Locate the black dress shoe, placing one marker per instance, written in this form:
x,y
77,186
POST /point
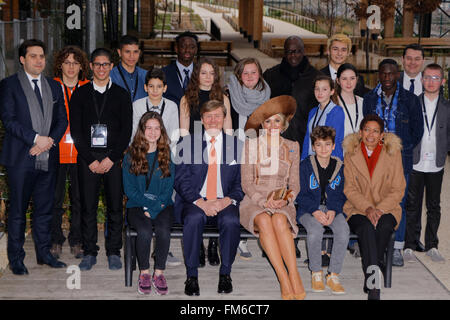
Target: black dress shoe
x,y
373,294
225,285
213,256
191,287
298,253
18,268
420,247
202,256
51,261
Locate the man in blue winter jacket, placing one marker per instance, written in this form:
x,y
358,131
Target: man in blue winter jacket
x,y
402,115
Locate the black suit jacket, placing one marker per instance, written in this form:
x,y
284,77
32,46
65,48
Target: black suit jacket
x,y
19,133
360,89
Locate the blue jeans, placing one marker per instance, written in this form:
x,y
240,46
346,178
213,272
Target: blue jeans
x,y
401,231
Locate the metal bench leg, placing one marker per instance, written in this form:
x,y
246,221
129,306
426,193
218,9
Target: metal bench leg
x,y
128,259
389,254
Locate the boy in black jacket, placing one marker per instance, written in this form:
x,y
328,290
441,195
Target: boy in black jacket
x,y
101,121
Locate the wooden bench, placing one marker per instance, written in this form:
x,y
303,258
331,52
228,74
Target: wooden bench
x,y
212,232
274,47
155,51
430,45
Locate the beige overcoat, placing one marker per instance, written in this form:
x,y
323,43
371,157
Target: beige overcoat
x,y
386,188
258,180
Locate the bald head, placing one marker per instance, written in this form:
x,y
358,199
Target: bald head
x,y
294,50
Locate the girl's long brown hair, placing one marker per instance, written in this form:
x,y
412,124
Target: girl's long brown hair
x,y
139,148
192,89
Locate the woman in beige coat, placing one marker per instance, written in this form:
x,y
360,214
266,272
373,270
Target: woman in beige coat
x,y
272,163
374,187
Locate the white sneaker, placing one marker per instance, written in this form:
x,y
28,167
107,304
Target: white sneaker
x,y
172,261
435,256
243,250
409,256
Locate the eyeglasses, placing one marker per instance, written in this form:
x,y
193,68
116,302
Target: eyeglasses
x,y
101,65
71,64
297,51
432,78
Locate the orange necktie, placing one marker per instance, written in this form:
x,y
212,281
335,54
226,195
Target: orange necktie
x,y
211,180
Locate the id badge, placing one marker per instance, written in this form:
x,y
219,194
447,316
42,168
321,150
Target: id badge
x,y
99,134
68,138
428,156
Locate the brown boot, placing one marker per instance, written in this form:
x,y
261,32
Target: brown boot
x,y
77,251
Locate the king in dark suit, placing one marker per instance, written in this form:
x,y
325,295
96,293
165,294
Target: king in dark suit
x,y
34,118
208,185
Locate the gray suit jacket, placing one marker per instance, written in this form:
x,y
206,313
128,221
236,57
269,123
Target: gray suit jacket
x,y
442,132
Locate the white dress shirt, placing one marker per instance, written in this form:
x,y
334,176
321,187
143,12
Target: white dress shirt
x,y
181,68
218,147
417,83
333,72
427,162
31,78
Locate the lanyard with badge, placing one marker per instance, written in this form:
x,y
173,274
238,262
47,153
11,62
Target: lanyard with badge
x,y
348,112
429,156
315,124
68,137
126,85
99,132
162,108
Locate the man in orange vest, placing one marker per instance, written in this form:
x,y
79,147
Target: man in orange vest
x,y
71,69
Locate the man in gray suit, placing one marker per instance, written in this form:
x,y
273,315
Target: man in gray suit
x,y
428,165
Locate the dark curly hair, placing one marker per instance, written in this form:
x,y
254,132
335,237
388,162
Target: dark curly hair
x,y
192,89
139,148
78,54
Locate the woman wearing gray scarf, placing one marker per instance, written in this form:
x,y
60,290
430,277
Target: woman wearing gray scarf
x,y
247,91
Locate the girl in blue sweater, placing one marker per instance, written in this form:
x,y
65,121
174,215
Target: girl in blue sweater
x,y
148,176
327,113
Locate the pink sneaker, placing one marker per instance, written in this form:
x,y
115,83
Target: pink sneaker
x,y
145,286
160,284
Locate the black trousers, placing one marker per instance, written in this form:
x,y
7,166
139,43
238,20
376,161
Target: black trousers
x,y
71,170
90,184
431,182
144,227
372,241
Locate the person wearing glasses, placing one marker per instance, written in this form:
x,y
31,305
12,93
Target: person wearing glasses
x,y
294,76
101,121
428,166
71,70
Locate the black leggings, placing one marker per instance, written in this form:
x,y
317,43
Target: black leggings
x,y
144,227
